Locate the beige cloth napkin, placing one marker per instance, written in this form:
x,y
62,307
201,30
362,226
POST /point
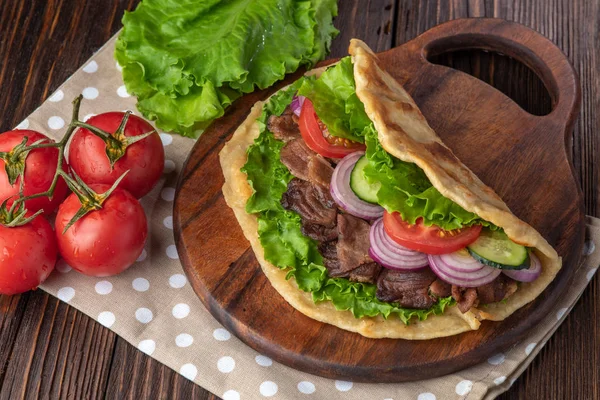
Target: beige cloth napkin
x,y
153,307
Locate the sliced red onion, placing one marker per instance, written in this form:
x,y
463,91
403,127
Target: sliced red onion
x,y
476,278
526,275
343,194
461,261
296,105
390,254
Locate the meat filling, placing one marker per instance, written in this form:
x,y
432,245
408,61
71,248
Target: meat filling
x,y
284,127
305,164
313,203
410,288
344,239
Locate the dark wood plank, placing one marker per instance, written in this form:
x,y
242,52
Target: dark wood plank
x,y
568,366
511,147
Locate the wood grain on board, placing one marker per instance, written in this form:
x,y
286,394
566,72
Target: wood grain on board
x,y
42,42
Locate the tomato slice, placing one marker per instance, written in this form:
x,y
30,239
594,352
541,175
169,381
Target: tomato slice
x,y
318,139
428,239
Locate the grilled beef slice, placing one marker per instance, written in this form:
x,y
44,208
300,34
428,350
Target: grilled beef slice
x,y
353,242
439,288
284,127
305,164
366,272
465,298
313,203
497,290
409,288
318,232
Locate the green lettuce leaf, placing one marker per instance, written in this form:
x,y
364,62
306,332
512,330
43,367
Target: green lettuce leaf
x,y
186,61
404,187
333,95
281,236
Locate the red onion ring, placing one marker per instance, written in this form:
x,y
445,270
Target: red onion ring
x,y
390,254
343,194
477,278
526,275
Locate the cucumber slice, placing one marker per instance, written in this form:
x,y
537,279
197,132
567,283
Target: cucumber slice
x,y
495,249
363,189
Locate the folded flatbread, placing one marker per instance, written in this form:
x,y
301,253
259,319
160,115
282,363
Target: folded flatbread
x,y
404,133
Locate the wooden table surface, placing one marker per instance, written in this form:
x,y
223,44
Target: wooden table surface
x,y
50,350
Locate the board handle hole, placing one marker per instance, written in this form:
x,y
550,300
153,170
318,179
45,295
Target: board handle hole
x,y
506,74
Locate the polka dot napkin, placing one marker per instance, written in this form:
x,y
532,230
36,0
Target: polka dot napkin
x,y
153,307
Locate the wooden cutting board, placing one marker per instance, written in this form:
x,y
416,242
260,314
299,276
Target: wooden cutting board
x,y
521,156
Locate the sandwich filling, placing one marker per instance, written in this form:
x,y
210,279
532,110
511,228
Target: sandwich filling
x,y
354,225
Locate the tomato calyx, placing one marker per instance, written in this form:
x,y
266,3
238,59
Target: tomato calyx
x,y
13,217
116,143
89,199
14,160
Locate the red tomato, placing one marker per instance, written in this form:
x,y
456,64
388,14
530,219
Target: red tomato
x,y
314,135
428,239
145,159
27,256
104,242
40,167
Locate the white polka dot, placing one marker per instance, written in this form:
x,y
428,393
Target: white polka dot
x,y
426,396
499,380
88,116
268,388
168,222
177,281
189,371
57,96
560,313
464,387
172,252
140,284
590,274
231,395
143,315
184,340
221,334
142,256
588,248
181,310
90,93
343,386
91,67
263,361
56,122
65,294
226,364
23,125
169,166
497,359
530,348
106,318
118,66
306,387
168,194
103,287
147,346
166,139
63,267
122,91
